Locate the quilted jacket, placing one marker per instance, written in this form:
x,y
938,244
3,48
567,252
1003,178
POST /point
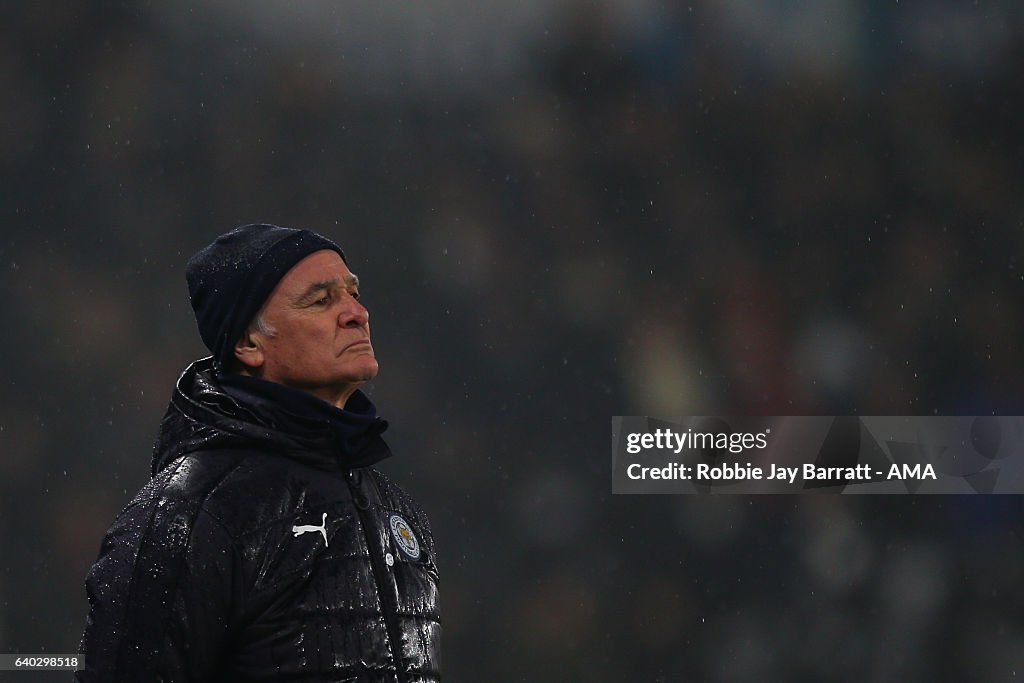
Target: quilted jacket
x,y
265,547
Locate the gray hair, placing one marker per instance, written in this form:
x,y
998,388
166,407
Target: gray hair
x,y
262,326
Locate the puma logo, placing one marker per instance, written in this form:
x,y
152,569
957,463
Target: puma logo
x,y
299,530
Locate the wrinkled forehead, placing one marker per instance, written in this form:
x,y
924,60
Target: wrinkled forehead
x,y
321,268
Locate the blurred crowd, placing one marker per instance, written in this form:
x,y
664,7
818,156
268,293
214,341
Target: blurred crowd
x,y
724,208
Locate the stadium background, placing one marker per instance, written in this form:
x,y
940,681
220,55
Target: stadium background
x,y
561,211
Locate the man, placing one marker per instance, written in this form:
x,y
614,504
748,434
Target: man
x,y
265,547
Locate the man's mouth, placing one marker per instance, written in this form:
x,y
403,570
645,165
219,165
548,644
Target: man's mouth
x,y
359,343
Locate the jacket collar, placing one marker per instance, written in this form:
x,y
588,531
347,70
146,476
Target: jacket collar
x,y
208,412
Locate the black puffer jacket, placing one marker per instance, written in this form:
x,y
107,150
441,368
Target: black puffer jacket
x,y
264,548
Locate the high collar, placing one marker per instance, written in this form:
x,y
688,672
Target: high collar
x,y
277,404
209,412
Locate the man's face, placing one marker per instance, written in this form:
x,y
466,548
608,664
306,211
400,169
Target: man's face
x,y
321,340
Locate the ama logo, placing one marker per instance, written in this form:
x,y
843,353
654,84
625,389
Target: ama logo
x,y
916,471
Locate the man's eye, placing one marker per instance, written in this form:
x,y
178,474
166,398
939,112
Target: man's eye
x,y
322,301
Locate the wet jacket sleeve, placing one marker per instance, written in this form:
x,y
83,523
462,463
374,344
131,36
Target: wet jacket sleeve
x,y
160,595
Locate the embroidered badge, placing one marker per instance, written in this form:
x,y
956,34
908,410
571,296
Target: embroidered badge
x,y
405,539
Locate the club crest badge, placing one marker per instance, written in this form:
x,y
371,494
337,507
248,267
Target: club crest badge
x,y
405,539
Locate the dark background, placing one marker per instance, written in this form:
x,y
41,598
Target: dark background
x,y
561,211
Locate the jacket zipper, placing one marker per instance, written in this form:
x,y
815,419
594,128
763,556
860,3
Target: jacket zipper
x,y
380,573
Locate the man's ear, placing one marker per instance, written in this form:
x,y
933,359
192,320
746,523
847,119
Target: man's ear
x,y
248,350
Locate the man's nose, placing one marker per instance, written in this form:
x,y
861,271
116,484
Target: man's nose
x,y
353,314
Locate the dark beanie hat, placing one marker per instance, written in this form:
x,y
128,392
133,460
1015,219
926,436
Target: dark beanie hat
x,y
229,280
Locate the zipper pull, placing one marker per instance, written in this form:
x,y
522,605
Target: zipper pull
x,y
359,497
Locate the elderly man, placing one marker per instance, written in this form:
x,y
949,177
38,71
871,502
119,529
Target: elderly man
x,y
266,547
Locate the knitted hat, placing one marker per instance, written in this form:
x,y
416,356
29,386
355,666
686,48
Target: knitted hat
x,y
230,279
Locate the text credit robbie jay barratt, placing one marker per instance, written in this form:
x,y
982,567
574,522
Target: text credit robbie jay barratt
x,y
737,442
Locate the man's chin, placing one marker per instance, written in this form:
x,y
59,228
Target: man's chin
x,y
364,369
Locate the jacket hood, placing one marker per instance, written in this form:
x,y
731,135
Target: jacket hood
x,y
242,413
